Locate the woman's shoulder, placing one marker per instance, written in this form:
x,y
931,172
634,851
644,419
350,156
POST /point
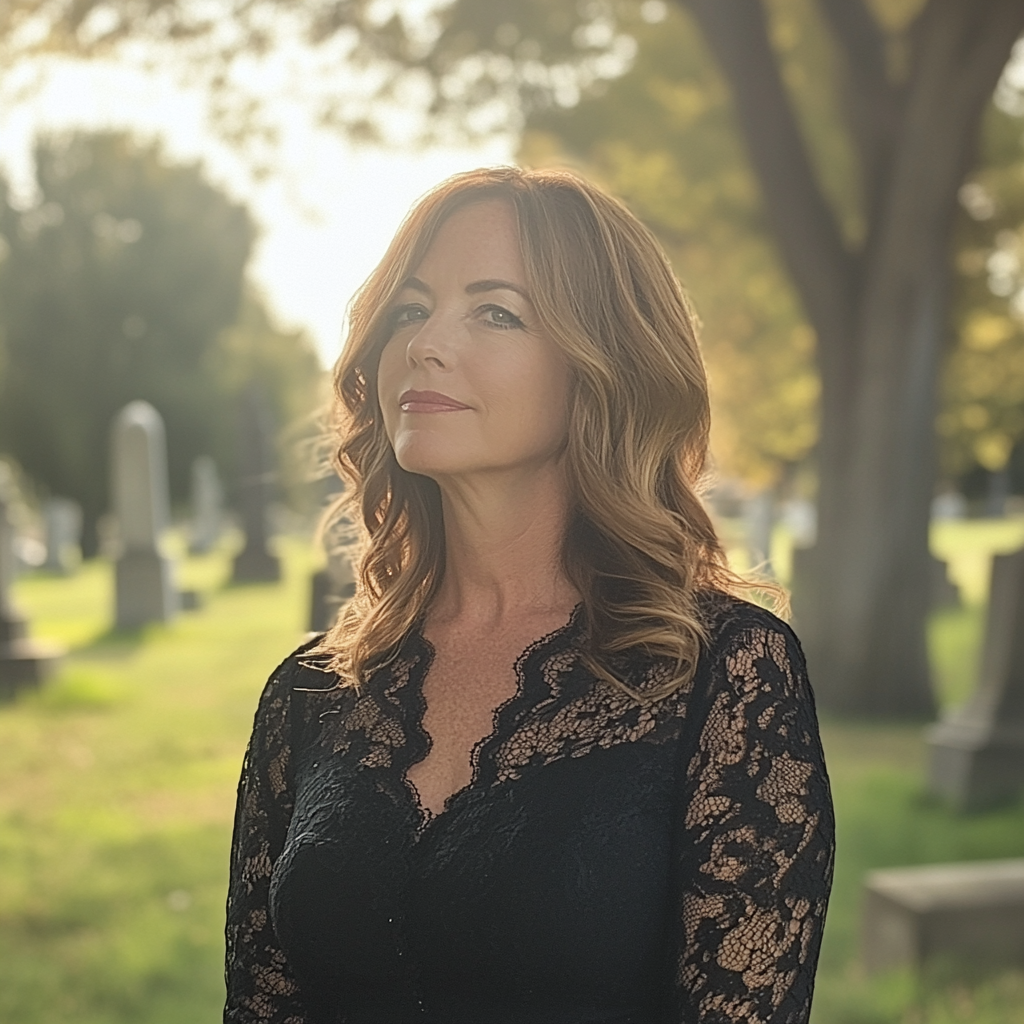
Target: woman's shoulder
x,y
300,678
726,616
747,645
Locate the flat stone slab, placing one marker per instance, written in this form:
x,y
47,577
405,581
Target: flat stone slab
x,y
25,664
959,914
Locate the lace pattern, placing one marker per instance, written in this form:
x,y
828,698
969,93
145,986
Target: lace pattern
x,y
754,830
259,982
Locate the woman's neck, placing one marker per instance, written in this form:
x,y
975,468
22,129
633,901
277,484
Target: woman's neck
x,y
503,542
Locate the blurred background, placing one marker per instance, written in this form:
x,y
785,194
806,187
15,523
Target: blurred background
x,y
189,195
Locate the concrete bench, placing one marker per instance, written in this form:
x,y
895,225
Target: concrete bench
x,y
963,914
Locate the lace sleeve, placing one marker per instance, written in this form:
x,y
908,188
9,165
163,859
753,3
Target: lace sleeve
x,y
756,840
260,987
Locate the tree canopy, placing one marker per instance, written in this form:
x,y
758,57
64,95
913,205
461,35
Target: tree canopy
x,y
663,136
121,282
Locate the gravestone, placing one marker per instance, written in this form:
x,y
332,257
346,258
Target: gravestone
x,y
62,523
207,506
942,591
331,588
758,521
800,518
255,563
801,582
143,574
958,915
996,493
949,505
24,662
977,753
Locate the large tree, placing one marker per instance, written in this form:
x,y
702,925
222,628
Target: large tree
x,y
913,101
913,90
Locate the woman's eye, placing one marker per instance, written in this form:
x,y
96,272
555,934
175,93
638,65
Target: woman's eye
x,y
498,316
408,314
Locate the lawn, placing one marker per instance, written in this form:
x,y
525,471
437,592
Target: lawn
x,y
117,791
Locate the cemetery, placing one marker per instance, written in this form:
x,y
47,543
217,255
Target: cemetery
x,y
839,186
117,781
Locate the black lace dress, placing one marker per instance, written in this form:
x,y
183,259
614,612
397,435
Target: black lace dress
x,y
611,860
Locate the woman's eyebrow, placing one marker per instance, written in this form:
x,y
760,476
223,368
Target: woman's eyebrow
x,y
492,285
416,285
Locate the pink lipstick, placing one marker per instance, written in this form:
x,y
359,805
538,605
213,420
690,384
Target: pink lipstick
x,y
428,401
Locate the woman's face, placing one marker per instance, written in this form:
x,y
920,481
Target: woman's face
x,y
468,382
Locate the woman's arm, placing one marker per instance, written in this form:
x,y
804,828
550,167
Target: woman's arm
x,y
260,986
756,838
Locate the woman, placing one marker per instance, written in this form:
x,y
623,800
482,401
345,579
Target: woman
x,y
546,768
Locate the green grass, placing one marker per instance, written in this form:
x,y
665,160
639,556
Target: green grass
x,y
884,818
116,796
117,790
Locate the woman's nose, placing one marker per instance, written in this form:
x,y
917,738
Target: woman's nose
x,y
431,344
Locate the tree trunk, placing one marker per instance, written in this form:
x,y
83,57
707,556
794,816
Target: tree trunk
x,y
880,315
866,640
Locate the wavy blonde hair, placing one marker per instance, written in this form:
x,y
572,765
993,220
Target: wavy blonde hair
x,y
640,543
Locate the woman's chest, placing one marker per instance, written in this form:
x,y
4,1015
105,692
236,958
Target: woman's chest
x,y
560,876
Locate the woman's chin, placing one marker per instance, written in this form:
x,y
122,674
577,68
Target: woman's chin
x,y
427,462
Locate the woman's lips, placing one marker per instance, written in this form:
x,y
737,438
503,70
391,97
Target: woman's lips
x,y
428,401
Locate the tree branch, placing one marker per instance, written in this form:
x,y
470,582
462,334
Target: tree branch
x,y
861,39
960,52
804,224
991,47
872,103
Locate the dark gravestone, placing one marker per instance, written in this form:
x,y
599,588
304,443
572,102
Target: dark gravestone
x,y
24,662
256,563
801,582
942,591
143,575
977,753
331,588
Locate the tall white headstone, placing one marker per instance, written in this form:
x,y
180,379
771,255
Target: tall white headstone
x,y
143,574
207,506
758,521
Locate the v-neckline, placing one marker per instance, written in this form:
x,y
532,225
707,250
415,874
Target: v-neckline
x,y
417,708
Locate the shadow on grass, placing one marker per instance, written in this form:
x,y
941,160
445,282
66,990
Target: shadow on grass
x,y
114,643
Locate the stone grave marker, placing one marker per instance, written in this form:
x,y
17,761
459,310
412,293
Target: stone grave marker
x,y
143,574
959,915
758,521
331,588
24,662
62,524
255,563
942,591
801,581
977,753
207,506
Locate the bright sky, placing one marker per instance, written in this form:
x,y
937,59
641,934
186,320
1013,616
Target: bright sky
x,y
327,213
